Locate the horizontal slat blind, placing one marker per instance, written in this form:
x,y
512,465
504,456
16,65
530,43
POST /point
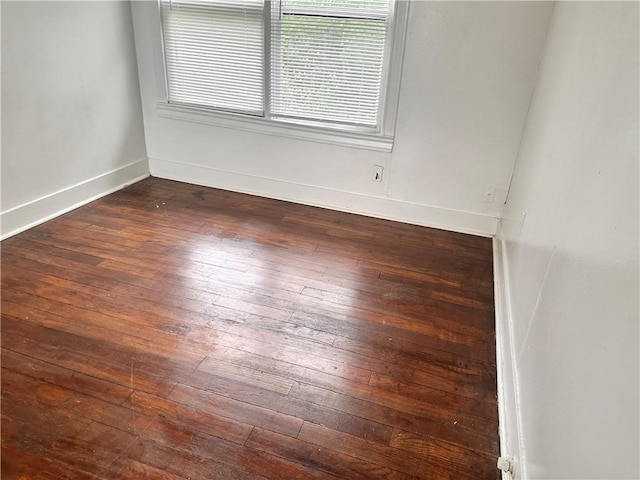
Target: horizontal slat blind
x,y
327,60
214,53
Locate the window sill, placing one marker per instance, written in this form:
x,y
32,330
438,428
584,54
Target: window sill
x,y
271,127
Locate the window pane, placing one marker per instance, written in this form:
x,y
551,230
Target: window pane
x,y
214,53
327,68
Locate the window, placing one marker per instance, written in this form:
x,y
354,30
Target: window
x,y
214,54
313,63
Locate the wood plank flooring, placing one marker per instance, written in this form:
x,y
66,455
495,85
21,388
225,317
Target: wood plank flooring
x,y
179,332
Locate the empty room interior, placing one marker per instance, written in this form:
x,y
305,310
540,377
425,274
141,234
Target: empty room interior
x,y
320,239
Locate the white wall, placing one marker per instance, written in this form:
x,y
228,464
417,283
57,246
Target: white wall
x,y
573,263
469,70
71,115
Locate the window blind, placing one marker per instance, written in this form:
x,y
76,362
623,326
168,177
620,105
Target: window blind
x,y
214,53
328,60
311,62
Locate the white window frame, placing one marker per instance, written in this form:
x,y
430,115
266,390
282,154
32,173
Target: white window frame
x,y
380,140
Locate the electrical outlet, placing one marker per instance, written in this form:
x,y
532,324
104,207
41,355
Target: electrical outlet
x,y
489,194
377,173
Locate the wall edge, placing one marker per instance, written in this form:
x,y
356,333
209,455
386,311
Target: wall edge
x,y
52,205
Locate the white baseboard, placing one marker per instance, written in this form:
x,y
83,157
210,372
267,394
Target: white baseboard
x,y
417,214
45,208
510,425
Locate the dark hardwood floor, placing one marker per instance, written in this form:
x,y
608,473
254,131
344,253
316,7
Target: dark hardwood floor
x,y
174,331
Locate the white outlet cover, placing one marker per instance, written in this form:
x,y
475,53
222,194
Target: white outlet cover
x,y
489,194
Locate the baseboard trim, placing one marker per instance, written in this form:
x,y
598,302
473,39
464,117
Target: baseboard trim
x,y
389,209
40,210
509,419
